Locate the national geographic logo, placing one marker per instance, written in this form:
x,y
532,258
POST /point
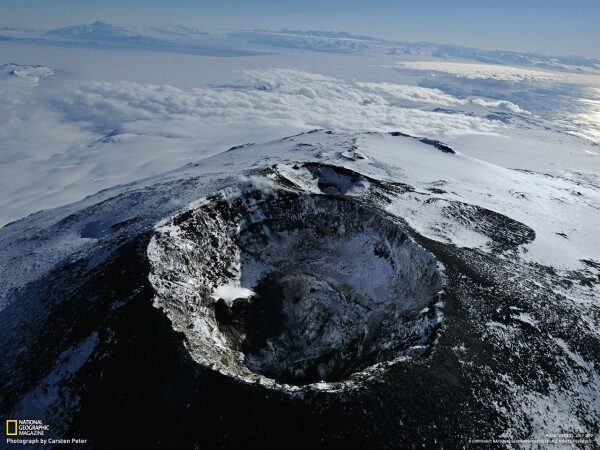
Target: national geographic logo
x,y
25,427
12,427
31,432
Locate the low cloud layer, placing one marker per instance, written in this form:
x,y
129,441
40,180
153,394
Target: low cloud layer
x,y
474,71
62,143
430,96
288,97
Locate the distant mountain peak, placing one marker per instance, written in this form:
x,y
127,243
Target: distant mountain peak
x,y
92,30
103,25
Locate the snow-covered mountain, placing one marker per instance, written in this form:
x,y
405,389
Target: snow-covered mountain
x,y
103,32
344,277
173,38
354,286
343,42
96,30
182,38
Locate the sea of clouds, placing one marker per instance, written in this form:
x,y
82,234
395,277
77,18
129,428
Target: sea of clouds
x,y
474,71
62,141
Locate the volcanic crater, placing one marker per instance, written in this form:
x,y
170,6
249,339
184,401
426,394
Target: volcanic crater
x,y
295,290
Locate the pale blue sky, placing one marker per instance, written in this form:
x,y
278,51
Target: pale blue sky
x,y
549,26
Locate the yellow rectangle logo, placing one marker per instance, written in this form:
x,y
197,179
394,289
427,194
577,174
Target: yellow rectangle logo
x,y
12,427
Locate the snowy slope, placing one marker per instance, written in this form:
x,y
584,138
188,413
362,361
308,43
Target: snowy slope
x,y
517,295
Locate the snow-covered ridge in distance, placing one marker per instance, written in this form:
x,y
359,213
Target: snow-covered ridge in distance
x,y
333,41
104,35
103,32
160,36
93,30
518,58
178,30
319,42
328,34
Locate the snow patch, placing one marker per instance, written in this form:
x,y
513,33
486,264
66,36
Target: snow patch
x,y
231,292
31,74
